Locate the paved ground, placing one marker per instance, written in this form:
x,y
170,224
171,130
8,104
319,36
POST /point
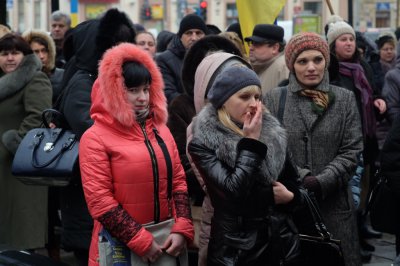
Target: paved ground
x,y
384,253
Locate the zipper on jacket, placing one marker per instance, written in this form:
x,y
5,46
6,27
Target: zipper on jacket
x,y
155,174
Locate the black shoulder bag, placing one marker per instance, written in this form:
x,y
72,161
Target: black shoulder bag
x,y
319,248
382,206
47,156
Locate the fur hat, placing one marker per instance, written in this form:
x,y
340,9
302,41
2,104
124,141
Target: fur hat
x,y
191,21
196,54
115,27
337,29
230,81
305,41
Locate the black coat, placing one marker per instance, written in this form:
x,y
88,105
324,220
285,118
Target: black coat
x,y
181,110
170,63
390,157
390,164
238,173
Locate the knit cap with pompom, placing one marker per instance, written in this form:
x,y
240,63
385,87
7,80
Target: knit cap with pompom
x,y
337,29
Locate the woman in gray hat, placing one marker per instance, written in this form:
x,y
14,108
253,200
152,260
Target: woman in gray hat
x,y
240,151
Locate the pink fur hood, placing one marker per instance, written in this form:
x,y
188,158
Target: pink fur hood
x,y
109,98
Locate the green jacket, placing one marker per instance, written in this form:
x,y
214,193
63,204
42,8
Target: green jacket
x,y
24,94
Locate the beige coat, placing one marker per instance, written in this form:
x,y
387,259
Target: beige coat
x,y
272,72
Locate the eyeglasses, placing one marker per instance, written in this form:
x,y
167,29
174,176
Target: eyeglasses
x,y
259,44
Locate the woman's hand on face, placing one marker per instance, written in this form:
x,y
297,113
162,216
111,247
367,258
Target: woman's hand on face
x,y
153,254
281,194
174,244
381,105
253,123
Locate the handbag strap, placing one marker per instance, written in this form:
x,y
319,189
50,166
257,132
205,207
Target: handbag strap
x,y
381,179
37,139
316,215
168,161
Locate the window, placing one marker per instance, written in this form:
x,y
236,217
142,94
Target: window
x,y
21,16
313,8
231,13
37,17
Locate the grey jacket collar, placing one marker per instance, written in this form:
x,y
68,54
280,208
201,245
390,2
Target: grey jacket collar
x,y
15,81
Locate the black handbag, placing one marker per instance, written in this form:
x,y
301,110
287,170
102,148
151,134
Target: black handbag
x,y
382,206
47,156
320,248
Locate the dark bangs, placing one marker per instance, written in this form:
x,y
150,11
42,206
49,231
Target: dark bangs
x,y
40,41
135,74
11,42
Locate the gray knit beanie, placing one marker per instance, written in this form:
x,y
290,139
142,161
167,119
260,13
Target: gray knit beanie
x,y
337,29
208,70
230,81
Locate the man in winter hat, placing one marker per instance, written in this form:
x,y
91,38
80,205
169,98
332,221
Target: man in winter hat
x,y
266,55
191,29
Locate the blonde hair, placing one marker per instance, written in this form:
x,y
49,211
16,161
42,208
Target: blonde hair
x,y
224,116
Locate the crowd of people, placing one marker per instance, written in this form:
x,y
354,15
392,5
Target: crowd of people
x,y
240,134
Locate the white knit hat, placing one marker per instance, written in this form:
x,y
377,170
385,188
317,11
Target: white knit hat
x,y
334,19
337,29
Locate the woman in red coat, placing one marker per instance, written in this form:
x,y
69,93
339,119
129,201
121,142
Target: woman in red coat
x,y
124,171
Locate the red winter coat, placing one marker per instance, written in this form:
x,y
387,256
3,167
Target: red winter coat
x,y
116,165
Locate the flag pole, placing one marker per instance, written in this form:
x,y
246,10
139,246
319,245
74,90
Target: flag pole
x,y
330,7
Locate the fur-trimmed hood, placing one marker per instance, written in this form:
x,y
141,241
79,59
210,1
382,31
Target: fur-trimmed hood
x,y
30,34
198,52
15,81
209,131
109,98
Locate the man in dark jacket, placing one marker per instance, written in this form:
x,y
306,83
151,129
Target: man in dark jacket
x,y
191,29
86,45
390,167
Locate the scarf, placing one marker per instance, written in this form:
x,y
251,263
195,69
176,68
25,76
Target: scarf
x,y
142,115
356,72
320,99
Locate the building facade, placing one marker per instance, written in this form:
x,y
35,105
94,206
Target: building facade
x,y
166,14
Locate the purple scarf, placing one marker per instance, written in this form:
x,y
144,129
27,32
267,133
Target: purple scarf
x,y
356,72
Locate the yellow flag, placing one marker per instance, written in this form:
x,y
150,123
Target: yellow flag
x,y
253,12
